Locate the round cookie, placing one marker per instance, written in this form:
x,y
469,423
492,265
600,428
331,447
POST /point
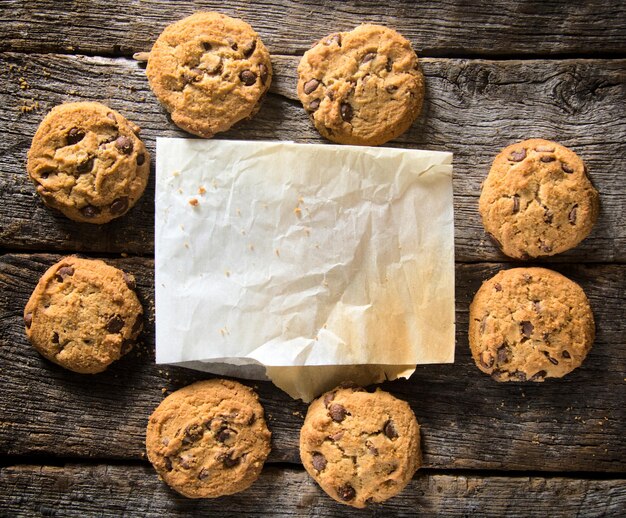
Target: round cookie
x,y
83,314
360,447
528,324
361,87
209,439
87,161
537,199
209,71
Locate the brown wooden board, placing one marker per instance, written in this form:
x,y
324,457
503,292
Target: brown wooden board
x,y
76,490
469,421
473,108
436,28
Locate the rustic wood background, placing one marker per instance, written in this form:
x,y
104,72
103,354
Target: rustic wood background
x,y
497,71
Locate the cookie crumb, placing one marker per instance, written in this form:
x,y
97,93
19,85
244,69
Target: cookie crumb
x,y
201,190
277,252
193,202
227,273
298,212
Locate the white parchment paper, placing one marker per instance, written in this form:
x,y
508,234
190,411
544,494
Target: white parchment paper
x,y
304,261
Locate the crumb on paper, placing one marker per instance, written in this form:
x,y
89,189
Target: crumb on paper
x,y
176,173
227,273
298,212
214,183
325,283
180,191
193,202
277,252
124,254
201,190
251,247
238,211
182,227
307,231
243,232
186,245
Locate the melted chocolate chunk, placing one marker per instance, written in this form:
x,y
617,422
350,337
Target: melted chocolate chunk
x,y
115,325
74,136
64,272
318,460
247,77
390,430
337,412
517,155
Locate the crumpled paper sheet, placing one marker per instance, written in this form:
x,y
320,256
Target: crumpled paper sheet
x,y
314,263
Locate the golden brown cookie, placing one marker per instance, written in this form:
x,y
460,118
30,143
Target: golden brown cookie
x,y
87,161
361,87
360,447
209,439
83,314
528,324
210,71
537,199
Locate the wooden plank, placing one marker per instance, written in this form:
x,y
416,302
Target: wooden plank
x,y
469,421
134,490
436,28
473,108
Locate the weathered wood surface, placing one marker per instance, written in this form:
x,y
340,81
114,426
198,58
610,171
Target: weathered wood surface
x,y
76,490
468,420
436,28
473,108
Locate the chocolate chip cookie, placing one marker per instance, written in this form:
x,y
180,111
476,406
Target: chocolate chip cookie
x,y
529,324
209,71
360,447
361,87
87,161
209,439
537,199
83,314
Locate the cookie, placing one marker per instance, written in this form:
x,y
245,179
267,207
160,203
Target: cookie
x,y
360,447
83,314
87,161
361,87
209,439
537,199
529,324
209,71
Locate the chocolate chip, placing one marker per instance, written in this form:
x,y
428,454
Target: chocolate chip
x,y
119,206
539,376
129,280
335,38
389,65
55,338
497,286
547,159
368,57
527,278
537,306
124,144
64,272
74,136
310,86
165,441
566,355
314,105
502,354
318,460
247,77
515,204
527,328
168,464
263,73
204,473
544,149
545,247
518,155
115,325
328,397
85,166
185,461
572,215
566,169
487,360
224,434
193,432
249,48
337,412
390,430
346,492
391,89
483,324
346,112
493,238
137,326
206,46
553,361
127,346
228,461
28,319
330,94
371,448
547,215
336,436
252,419
518,375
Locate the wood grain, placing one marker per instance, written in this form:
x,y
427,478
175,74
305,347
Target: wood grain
x,y
468,420
435,28
473,108
134,490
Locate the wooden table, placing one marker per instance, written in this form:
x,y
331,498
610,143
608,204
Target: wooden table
x,y
496,72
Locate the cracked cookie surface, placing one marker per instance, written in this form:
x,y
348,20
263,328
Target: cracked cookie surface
x,y
209,71
360,447
528,324
361,87
537,199
209,439
87,162
83,314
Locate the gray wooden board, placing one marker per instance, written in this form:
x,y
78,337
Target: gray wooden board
x,y
469,421
435,28
473,108
75,490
